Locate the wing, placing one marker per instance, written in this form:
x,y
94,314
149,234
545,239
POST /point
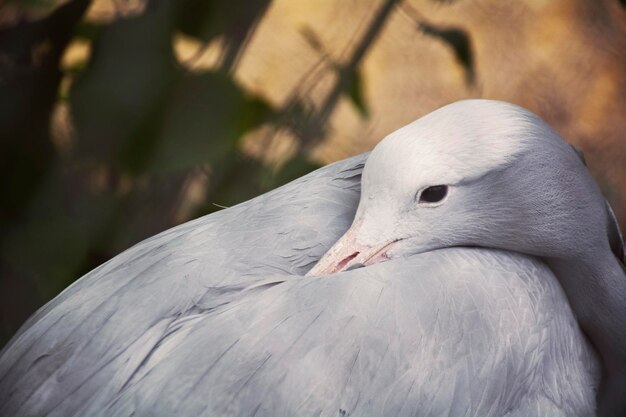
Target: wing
x,y
110,319
214,318
402,338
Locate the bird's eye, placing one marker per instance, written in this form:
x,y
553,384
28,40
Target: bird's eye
x,y
434,194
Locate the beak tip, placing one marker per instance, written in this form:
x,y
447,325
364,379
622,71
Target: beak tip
x,y
347,254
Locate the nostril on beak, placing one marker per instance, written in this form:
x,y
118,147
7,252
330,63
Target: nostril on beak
x,y
347,260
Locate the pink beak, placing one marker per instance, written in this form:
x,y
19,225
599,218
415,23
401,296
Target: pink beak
x,y
346,252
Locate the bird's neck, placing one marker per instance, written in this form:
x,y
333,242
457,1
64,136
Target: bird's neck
x,y
596,290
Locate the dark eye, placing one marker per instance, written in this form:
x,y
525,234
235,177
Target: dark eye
x,y
434,194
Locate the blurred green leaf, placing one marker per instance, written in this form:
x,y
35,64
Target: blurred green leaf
x,y
87,30
124,87
355,93
196,18
205,117
65,219
459,41
205,20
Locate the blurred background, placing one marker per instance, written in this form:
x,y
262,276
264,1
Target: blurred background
x,y
122,118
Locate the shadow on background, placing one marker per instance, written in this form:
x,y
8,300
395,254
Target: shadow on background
x,y
129,141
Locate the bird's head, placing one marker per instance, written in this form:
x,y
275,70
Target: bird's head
x,y
473,173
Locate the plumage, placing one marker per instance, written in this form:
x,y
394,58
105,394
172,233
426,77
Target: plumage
x,y
91,335
217,318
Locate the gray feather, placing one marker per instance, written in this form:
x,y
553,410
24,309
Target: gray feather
x,y
99,329
214,318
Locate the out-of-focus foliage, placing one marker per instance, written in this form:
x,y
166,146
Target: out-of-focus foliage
x,y
122,144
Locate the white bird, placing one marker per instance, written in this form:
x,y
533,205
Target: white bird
x,y
479,210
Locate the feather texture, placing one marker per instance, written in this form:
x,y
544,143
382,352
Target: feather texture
x,y
215,318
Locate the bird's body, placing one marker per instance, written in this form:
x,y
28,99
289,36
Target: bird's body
x,y
216,318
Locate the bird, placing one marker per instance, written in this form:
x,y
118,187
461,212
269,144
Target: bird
x,y
428,277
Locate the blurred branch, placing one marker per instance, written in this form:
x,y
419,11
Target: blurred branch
x,y
238,37
302,118
347,71
458,40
